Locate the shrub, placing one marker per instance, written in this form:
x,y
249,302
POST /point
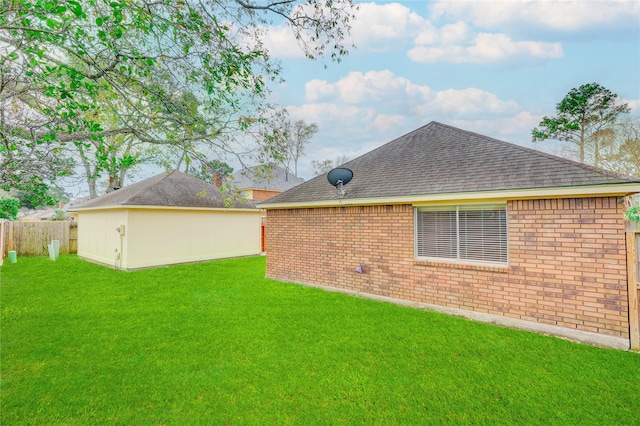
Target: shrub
x,y
59,214
633,214
9,208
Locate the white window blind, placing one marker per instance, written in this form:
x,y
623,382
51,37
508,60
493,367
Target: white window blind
x,y
463,233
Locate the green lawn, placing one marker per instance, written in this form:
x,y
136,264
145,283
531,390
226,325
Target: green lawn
x,y
216,343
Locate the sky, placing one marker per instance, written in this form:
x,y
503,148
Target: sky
x,y
491,67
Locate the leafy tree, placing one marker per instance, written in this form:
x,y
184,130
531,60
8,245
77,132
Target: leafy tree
x,y
183,73
321,167
114,157
32,200
9,208
212,171
25,162
582,118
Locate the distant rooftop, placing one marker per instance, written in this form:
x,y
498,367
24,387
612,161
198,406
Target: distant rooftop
x,y
274,178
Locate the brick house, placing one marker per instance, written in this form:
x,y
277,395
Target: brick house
x,y
258,184
454,221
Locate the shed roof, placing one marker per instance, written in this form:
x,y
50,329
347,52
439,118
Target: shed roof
x,y
440,159
275,178
173,189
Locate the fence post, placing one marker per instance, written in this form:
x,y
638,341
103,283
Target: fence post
x,y
2,241
632,285
9,236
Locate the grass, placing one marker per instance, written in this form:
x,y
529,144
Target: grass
x,y
217,343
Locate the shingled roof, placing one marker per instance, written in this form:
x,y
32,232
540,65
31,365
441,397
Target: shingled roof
x,y
166,189
440,159
274,178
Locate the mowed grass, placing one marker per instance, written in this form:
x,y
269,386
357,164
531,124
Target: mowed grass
x,y
217,343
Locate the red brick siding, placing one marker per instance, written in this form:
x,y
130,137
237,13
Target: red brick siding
x,y
263,194
567,262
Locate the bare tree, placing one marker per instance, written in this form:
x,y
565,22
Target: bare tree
x,y
295,138
322,167
620,148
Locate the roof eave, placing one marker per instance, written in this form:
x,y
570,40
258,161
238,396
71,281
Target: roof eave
x,y
618,189
147,207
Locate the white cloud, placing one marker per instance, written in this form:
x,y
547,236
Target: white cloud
x,y
447,35
634,105
390,27
281,43
485,48
390,93
512,128
561,16
316,90
380,28
387,122
330,114
465,102
357,87
335,115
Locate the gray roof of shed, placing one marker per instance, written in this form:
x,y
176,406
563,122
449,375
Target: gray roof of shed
x,y
437,159
173,188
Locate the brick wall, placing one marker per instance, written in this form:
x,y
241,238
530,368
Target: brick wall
x,y
567,262
263,194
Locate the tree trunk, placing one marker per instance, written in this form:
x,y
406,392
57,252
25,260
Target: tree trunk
x,y
90,174
582,142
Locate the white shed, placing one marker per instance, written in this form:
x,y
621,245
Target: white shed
x,y
167,219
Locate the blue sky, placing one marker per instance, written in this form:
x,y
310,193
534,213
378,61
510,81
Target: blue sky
x,y
492,67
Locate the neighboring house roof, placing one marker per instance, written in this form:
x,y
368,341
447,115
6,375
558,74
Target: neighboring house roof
x,y
274,178
440,159
38,214
78,201
41,213
166,189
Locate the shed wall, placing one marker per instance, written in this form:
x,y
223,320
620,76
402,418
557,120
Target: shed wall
x,y
97,235
567,263
164,237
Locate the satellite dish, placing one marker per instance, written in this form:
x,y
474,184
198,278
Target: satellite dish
x,y
340,177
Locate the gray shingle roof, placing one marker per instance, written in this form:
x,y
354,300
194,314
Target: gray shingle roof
x,y
166,189
274,179
437,158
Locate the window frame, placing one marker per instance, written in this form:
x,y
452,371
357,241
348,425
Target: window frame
x,y
502,234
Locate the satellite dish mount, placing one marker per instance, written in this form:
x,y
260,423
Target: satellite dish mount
x,y
339,178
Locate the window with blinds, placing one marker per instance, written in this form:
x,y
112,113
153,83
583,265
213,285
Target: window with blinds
x,y
476,234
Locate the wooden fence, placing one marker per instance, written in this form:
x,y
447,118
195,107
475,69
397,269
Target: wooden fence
x,y
33,238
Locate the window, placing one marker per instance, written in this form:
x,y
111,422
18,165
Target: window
x,y
474,234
